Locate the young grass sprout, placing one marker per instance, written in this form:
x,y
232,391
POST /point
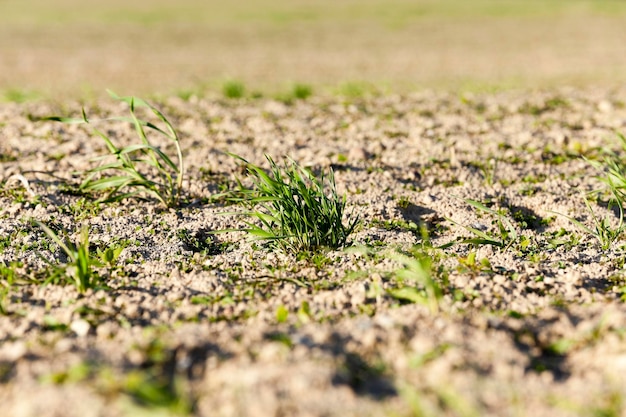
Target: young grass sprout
x,y
602,230
139,169
614,178
614,168
507,234
297,210
80,269
417,271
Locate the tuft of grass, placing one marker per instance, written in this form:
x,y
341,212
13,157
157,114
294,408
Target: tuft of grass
x,y
15,95
422,288
602,230
8,278
233,89
614,168
301,91
80,269
507,234
139,169
298,210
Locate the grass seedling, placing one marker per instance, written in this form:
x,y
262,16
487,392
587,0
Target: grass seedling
x,y
301,91
615,169
614,178
8,277
137,169
417,271
298,210
233,89
602,230
507,233
80,269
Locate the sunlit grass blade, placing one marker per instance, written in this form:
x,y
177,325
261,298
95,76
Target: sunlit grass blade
x,y
602,230
80,269
507,233
143,167
297,210
418,284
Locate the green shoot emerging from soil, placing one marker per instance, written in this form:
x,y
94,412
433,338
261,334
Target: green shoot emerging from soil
x,y
424,289
80,268
507,234
136,169
614,168
298,210
602,230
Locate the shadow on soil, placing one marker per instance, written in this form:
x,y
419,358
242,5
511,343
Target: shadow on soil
x,y
543,356
365,376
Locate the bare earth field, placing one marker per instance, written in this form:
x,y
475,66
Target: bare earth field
x,y
216,325
421,109
70,48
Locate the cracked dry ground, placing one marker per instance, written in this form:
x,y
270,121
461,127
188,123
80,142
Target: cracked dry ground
x,y
195,323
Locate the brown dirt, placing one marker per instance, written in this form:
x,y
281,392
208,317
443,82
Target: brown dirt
x,y
536,331
69,55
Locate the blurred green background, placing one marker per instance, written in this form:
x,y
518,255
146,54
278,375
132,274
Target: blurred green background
x,y
78,48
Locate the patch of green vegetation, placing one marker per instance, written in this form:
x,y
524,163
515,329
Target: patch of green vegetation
x,y
233,89
317,258
155,388
549,105
282,314
297,92
534,179
81,209
603,231
73,374
280,337
7,157
398,225
301,91
613,168
52,324
417,284
356,90
299,210
200,241
8,278
80,270
505,236
436,401
15,95
470,264
129,180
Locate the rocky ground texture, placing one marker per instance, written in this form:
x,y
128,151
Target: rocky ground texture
x,y
191,322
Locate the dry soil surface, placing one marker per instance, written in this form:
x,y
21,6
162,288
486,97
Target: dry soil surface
x,y
206,324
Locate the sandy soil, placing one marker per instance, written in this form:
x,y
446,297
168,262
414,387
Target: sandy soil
x,y
73,48
216,325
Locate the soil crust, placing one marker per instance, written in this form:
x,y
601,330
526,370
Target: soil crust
x,y
213,324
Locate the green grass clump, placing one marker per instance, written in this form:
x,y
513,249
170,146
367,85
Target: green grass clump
x,y
139,169
233,89
80,268
301,91
298,210
614,169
